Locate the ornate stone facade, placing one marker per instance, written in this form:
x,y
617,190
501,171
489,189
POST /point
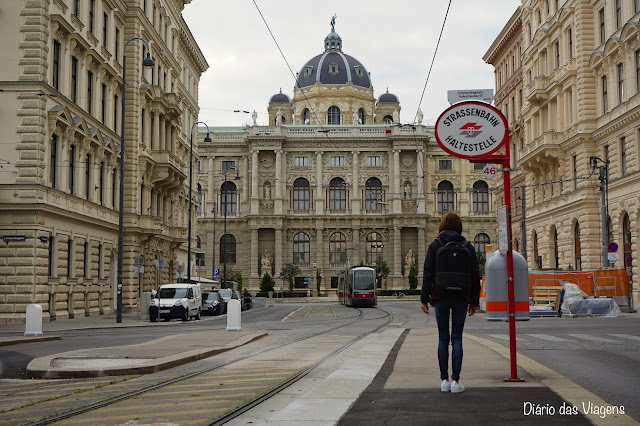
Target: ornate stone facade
x,y
577,66
61,128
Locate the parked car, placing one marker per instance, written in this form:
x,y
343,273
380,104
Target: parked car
x,y
238,296
182,301
226,294
212,303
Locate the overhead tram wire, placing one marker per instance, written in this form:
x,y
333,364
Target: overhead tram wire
x,y
325,131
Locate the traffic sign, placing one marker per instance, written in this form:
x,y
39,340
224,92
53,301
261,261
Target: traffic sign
x,y
216,273
612,247
612,257
489,171
471,129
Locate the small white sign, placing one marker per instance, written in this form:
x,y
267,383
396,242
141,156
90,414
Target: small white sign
x,y
503,229
485,95
613,257
489,171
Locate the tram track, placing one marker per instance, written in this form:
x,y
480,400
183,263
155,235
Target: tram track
x,y
291,377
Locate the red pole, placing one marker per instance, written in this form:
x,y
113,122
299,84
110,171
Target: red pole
x,y
510,283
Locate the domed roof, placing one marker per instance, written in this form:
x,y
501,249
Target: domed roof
x,y
388,97
333,67
280,97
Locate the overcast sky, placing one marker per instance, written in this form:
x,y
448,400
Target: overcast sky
x,y
394,40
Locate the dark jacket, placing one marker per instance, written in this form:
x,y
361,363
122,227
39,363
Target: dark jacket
x,y
429,269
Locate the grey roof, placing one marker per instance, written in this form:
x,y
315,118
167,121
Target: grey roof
x,y
388,97
280,97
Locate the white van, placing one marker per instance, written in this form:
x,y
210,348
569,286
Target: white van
x,y
182,301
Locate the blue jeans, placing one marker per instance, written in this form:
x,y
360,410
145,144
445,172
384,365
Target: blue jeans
x,y
457,310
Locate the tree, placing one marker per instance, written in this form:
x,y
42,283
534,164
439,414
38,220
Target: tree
x,y
267,283
289,272
413,278
481,261
382,270
238,278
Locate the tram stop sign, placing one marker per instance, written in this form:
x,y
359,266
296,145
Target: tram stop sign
x,y
471,129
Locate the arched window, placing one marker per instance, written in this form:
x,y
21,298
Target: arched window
x,y
301,195
337,249
626,241
445,197
480,243
199,199
577,249
337,194
480,197
333,115
198,242
301,248
283,120
387,119
373,194
361,116
306,116
373,249
228,197
228,250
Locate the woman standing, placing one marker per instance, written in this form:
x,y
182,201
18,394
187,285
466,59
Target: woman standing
x,y
450,304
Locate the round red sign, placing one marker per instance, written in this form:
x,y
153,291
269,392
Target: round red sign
x,y
471,129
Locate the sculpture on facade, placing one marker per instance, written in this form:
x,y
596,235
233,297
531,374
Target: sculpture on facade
x,y
266,260
333,23
278,117
407,190
396,117
355,118
267,191
409,260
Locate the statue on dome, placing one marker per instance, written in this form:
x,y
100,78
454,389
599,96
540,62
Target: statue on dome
x,y
278,117
420,116
355,118
333,23
254,117
396,117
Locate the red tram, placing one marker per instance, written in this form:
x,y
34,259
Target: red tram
x,y
357,286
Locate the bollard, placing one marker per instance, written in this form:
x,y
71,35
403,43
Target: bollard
x,y
233,315
33,327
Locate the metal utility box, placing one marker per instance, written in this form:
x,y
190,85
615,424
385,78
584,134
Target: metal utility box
x,y
497,290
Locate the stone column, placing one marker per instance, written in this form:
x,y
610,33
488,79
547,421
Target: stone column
x,y
155,138
211,191
395,176
255,202
320,193
255,258
279,180
320,253
420,172
396,269
355,187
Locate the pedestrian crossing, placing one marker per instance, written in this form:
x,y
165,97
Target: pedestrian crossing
x,y
573,337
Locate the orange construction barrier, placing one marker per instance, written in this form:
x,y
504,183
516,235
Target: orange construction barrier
x,y
544,285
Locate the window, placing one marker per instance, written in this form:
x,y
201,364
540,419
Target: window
x,y
623,156
228,197
55,72
337,195
89,92
605,105
361,116
306,116
72,166
74,79
601,22
117,49
557,52
333,116
478,166
636,6
53,166
301,162
142,210
373,161
52,256
85,260
387,119
638,70
101,184
105,30
92,8
228,165
359,71
620,83
444,197
373,194
100,261
308,70
115,113
301,195
373,248
480,243
480,197
143,119
444,164
336,161
114,188
76,7
575,171
227,249
337,249
70,258
570,40
333,69
618,13
301,248
87,177
103,109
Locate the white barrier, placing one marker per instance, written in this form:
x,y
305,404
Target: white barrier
x,y
33,326
233,315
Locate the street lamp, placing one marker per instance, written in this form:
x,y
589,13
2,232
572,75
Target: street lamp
x,y
213,244
226,206
147,62
206,139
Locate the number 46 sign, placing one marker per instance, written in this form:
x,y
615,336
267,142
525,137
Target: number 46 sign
x,y
489,171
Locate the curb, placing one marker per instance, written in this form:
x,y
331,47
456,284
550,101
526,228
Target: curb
x,y
8,341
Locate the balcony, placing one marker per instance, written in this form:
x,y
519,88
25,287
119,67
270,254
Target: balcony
x,y
167,170
538,89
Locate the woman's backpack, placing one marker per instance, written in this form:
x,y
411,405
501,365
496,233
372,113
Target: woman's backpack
x,y
453,269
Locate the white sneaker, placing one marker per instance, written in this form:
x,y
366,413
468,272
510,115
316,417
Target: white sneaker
x,y
445,386
456,386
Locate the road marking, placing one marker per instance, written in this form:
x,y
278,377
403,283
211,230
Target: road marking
x,y
625,336
549,337
506,337
593,338
290,315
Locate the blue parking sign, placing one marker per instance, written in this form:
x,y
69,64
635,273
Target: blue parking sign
x,y
216,273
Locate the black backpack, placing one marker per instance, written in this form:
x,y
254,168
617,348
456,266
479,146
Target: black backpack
x,y
453,269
